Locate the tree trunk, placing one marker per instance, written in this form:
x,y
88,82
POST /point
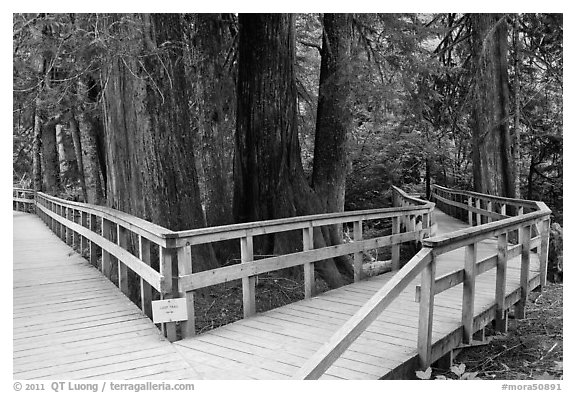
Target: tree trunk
x,y
150,156
516,133
491,140
215,123
334,117
50,158
90,158
62,156
269,178
36,152
76,140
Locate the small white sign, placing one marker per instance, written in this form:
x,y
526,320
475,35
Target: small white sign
x,y
169,310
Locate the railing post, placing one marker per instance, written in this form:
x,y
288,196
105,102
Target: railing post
x,y
75,235
106,258
169,328
469,292
503,209
543,255
489,208
524,233
248,283
395,245
470,216
84,223
93,247
426,314
69,232
123,269
519,212
145,288
501,319
357,255
308,244
188,327
478,214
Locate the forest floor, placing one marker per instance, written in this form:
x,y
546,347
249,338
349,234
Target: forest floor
x,y
531,350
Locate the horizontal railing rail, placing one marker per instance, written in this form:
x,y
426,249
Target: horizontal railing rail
x,y
424,264
23,199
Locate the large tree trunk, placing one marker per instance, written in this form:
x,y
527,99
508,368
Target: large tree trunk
x,y
269,178
334,117
491,140
516,133
62,156
215,123
150,157
50,158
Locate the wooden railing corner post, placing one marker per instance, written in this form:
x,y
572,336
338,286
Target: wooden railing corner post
x,y
188,327
145,288
122,237
166,270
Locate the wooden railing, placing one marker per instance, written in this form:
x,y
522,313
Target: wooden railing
x,y
162,259
424,264
248,269
23,199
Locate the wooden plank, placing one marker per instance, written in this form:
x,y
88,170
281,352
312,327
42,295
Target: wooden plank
x,y
358,258
524,235
543,254
395,250
169,329
122,268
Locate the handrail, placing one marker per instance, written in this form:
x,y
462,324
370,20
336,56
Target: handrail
x,y
425,263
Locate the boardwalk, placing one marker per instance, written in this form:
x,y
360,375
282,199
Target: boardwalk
x,y
71,322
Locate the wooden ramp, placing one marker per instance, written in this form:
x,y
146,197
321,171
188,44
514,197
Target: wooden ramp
x,y
274,344
70,322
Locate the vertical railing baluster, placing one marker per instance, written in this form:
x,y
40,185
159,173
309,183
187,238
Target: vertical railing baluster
x,y
358,255
426,313
122,237
185,267
489,208
501,319
145,288
106,257
519,212
543,254
84,223
519,311
248,283
308,244
93,247
469,292
69,232
478,214
396,245
470,216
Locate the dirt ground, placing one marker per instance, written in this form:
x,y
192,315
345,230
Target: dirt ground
x,y
531,350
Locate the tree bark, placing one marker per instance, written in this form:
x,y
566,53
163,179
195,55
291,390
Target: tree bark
x,y
150,156
76,140
36,149
516,133
334,116
62,156
215,123
269,178
491,139
50,158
